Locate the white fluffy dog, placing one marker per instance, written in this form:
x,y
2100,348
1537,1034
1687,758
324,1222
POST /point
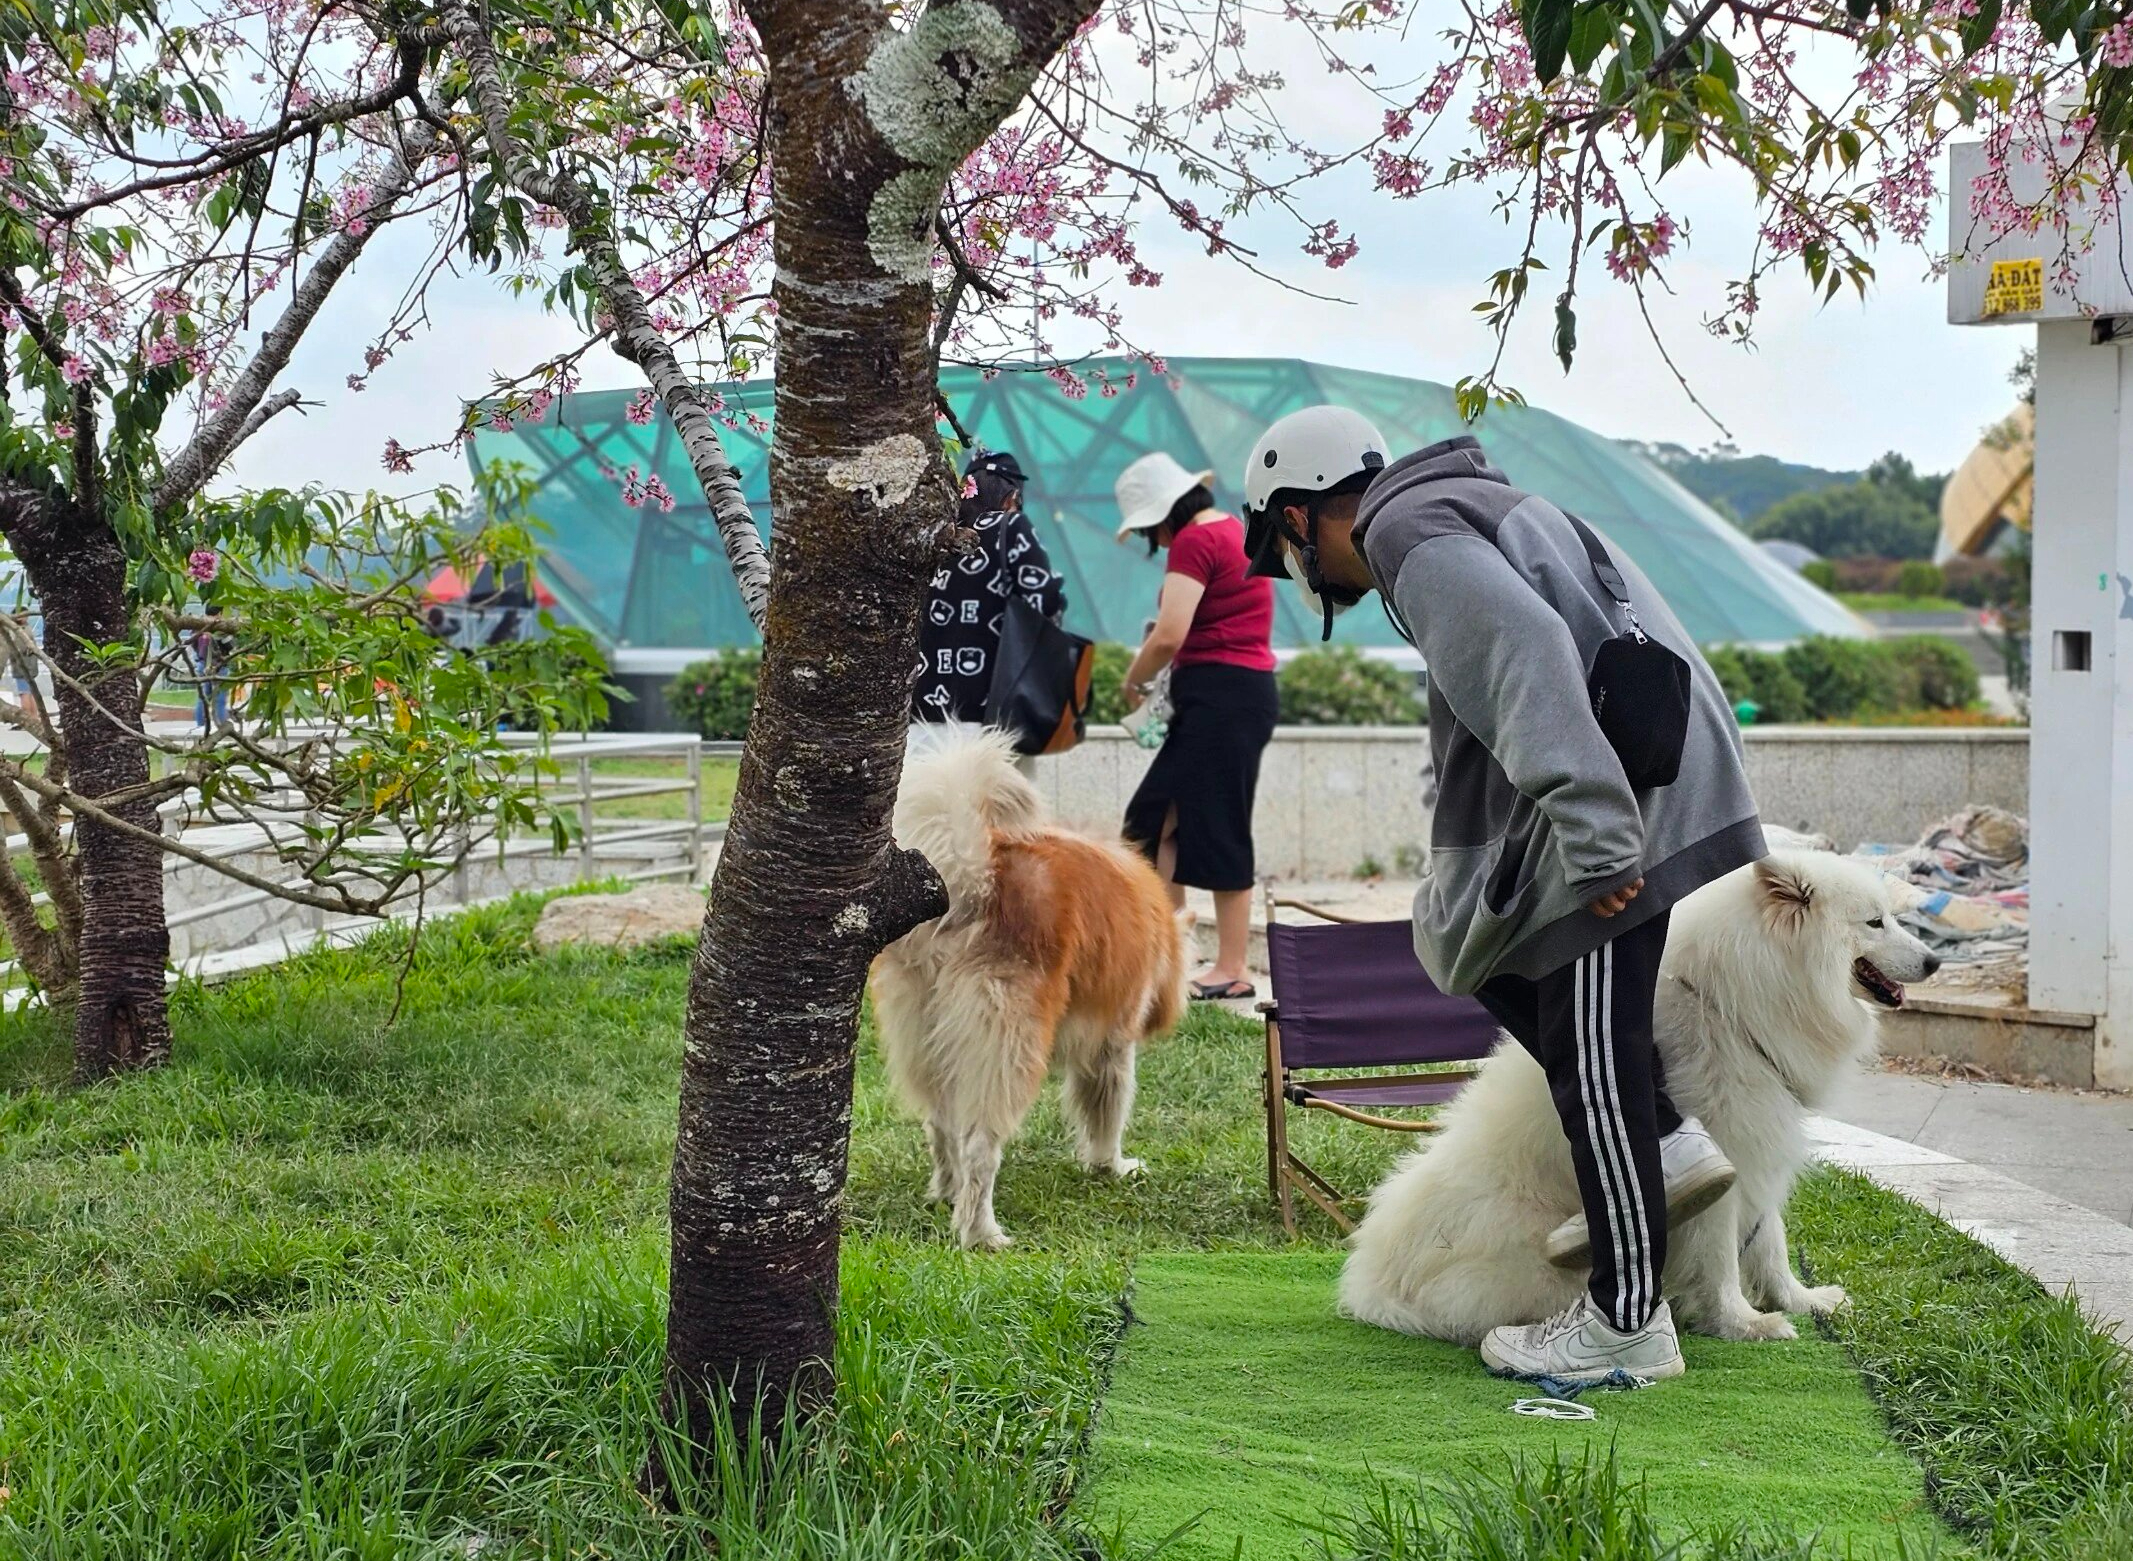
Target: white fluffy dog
x,y
1763,1006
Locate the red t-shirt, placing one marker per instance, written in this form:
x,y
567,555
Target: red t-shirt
x,y
1235,619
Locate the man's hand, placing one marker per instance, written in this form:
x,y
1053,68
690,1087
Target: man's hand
x,y
1614,904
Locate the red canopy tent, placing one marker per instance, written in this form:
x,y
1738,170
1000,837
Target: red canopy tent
x,y
448,585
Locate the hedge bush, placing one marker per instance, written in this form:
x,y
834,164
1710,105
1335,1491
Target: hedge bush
x,y
1936,674
1107,699
1917,579
715,697
1340,686
1845,677
1824,679
1980,582
1760,678
1975,582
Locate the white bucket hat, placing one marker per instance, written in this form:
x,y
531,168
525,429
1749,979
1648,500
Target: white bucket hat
x,y
1149,487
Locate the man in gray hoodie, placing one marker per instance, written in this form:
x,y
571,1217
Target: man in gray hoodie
x,y
1550,876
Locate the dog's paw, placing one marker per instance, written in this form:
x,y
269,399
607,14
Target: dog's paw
x,y
1824,1299
1751,1327
994,1240
1769,1327
1125,1166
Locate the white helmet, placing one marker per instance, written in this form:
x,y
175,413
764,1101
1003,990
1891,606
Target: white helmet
x,y
1309,452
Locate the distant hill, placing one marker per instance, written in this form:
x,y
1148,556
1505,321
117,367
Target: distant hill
x,y
1739,487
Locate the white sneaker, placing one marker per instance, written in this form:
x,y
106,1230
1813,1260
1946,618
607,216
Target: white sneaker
x,y
1578,1345
1697,1175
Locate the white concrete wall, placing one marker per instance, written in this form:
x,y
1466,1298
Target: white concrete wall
x,y
1332,799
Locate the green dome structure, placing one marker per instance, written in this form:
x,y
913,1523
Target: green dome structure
x,y
652,585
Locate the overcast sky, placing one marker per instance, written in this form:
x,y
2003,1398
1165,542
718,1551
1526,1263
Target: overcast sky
x,y
1832,386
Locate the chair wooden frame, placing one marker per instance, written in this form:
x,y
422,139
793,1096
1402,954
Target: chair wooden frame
x,y
1287,1172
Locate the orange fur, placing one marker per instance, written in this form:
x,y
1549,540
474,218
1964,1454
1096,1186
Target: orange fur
x,y
1056,948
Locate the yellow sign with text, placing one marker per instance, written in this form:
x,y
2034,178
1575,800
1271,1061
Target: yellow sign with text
x,y
2015,287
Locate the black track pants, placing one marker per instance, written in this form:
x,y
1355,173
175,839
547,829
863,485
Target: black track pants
x,y
1590,1027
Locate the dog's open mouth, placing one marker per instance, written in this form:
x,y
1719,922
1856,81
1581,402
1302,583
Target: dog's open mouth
x,y
1877,987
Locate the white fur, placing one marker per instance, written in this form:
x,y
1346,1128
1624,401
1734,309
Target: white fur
x,y
958,1014
1757,970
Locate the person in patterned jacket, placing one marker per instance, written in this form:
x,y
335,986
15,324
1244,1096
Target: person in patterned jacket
x,y
959,633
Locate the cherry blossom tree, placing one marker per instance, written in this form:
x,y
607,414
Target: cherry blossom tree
x,y
182,191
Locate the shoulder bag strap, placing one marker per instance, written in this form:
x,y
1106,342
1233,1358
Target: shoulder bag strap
x,y
1604,571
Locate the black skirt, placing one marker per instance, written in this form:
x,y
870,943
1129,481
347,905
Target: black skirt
x,y
1208,767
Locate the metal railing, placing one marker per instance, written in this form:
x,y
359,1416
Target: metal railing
x,y
603,844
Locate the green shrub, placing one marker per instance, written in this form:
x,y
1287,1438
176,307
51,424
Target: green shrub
x,y
715,697
1978,582
1821,572
1340,686
1867,576
1843,678
1935,673
1107,699
1761,677
1918,578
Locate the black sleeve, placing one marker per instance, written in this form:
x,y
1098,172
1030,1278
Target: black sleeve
x,y
1030,567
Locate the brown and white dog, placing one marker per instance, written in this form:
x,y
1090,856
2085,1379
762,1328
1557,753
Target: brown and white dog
x,y
1055,947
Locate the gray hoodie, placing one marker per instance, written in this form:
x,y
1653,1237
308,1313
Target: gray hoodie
x,y
1535,819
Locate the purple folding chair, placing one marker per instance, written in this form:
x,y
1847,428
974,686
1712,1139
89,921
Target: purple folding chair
x,y
1346,996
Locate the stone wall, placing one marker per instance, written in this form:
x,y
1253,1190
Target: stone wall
x,y
1363,786
189,887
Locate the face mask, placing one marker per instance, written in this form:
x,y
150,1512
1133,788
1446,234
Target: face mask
x,y
1327,605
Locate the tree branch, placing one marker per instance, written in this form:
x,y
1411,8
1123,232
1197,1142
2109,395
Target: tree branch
x,y
191,468
280,402
635,338
247,149
340,901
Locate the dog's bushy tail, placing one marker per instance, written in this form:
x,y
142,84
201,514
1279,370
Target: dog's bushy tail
x,y
953,798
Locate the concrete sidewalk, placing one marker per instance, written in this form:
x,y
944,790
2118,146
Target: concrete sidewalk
x,y
2075,1146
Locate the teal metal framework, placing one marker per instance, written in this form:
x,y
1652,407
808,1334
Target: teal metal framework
x,y
643,579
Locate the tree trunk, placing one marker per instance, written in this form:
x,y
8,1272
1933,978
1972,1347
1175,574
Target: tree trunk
x,y
809,887
78,570
868,117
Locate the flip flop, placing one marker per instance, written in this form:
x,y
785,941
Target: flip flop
x,y
1227,992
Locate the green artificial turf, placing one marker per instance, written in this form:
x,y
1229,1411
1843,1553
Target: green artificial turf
x,y
1241,1405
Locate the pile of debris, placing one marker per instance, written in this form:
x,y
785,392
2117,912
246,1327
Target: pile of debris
x,y
1963,888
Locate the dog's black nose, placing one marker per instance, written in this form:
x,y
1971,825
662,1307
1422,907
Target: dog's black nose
x,y
1932,964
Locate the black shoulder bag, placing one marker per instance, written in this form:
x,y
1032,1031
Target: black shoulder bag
x,y
1639,688
1040,681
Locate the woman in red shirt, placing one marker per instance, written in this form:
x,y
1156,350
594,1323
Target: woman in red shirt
x,y
1193,812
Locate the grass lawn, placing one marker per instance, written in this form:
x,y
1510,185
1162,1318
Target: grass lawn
x,y
719,777
1889,601
327,1289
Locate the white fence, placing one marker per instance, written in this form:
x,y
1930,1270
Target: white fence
x,y
219,923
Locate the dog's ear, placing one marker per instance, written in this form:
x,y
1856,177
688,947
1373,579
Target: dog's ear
x,y
1785,892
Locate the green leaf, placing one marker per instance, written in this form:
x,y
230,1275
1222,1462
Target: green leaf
x,y
1591,31
1546,24
1566,332
1674,148
1977,27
